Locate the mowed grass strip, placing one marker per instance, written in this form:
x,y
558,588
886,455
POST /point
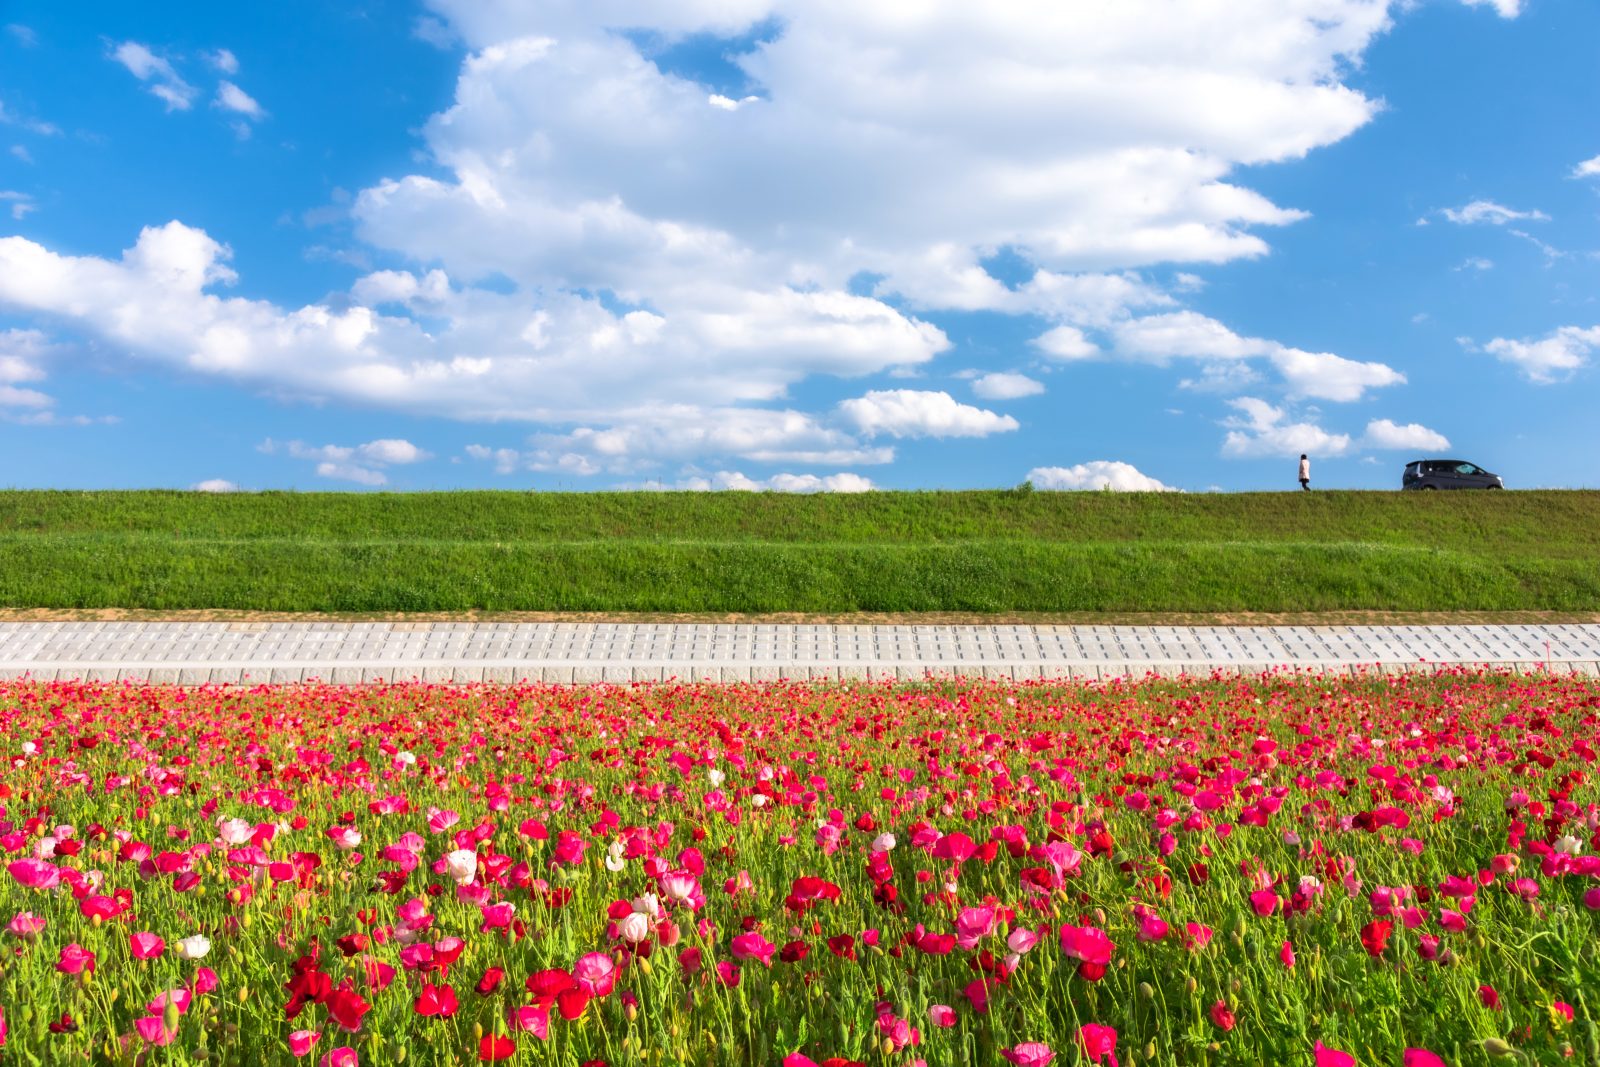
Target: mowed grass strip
x,y
981,552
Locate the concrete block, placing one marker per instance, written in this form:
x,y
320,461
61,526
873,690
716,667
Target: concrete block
x,y
466,675
649,674
287,676
996,672
345,676
377,674
504,675
616,675
163,676
764,674
824,674
234,676
587,675
701,673
736,673
858,672
194,676
437,674
100,674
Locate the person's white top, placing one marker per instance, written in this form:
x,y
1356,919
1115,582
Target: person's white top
x,y
1305,468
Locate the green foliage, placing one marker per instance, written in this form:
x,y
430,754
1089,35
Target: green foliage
x,y
984,552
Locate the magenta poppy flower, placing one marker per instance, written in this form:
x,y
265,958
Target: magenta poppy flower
x,y
343,1056
753,946
941,1015
1029,1054
1099,1042
1421,1057
75,959
1332,1057
154,1030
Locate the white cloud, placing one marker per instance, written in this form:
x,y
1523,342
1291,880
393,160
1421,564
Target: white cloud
x,y
1261,430
1188,334
1589,168
433,31
641,439
21,152
918,413
20,353
1476,263
159,75
1487,211
215,485
361,464
781,483
23,35
1093,140
1066,342
1507,9
223,61
8,118
1002,385
232,98
1413,436
1097,474
1328,377
21,203
1550,359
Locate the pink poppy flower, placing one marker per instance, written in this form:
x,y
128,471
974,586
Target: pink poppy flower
x,y
146,946
941,1015
301,1042
343,1056
75,959
154,1030
1029,1054
595,973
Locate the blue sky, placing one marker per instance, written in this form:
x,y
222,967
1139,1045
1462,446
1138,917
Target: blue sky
x,y
796,245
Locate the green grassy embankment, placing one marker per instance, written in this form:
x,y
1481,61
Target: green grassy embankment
x,y
972,552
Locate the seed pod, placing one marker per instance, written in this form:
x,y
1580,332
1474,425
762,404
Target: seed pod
x,y
1498,1049
1147,991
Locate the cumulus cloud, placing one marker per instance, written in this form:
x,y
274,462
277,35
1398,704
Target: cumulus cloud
x,y
1413,436
781,483
1006,386
653,249
1487,211
223,61
1260,429
921,413
362,464
1589,168
23,35
158,75
1550,359
1097,474
215,485
1190,335
1066,342
21,353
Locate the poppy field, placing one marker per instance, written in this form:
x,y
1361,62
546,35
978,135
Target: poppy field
x,y
1280,870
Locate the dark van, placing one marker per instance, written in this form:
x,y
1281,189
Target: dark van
x,y
1448,474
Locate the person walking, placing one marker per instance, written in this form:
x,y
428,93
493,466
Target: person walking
x,y
1305,473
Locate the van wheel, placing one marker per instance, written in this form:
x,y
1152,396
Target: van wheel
x,y
1429,488
1494,487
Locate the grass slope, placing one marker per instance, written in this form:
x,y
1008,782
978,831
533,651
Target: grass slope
x,y
741,552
